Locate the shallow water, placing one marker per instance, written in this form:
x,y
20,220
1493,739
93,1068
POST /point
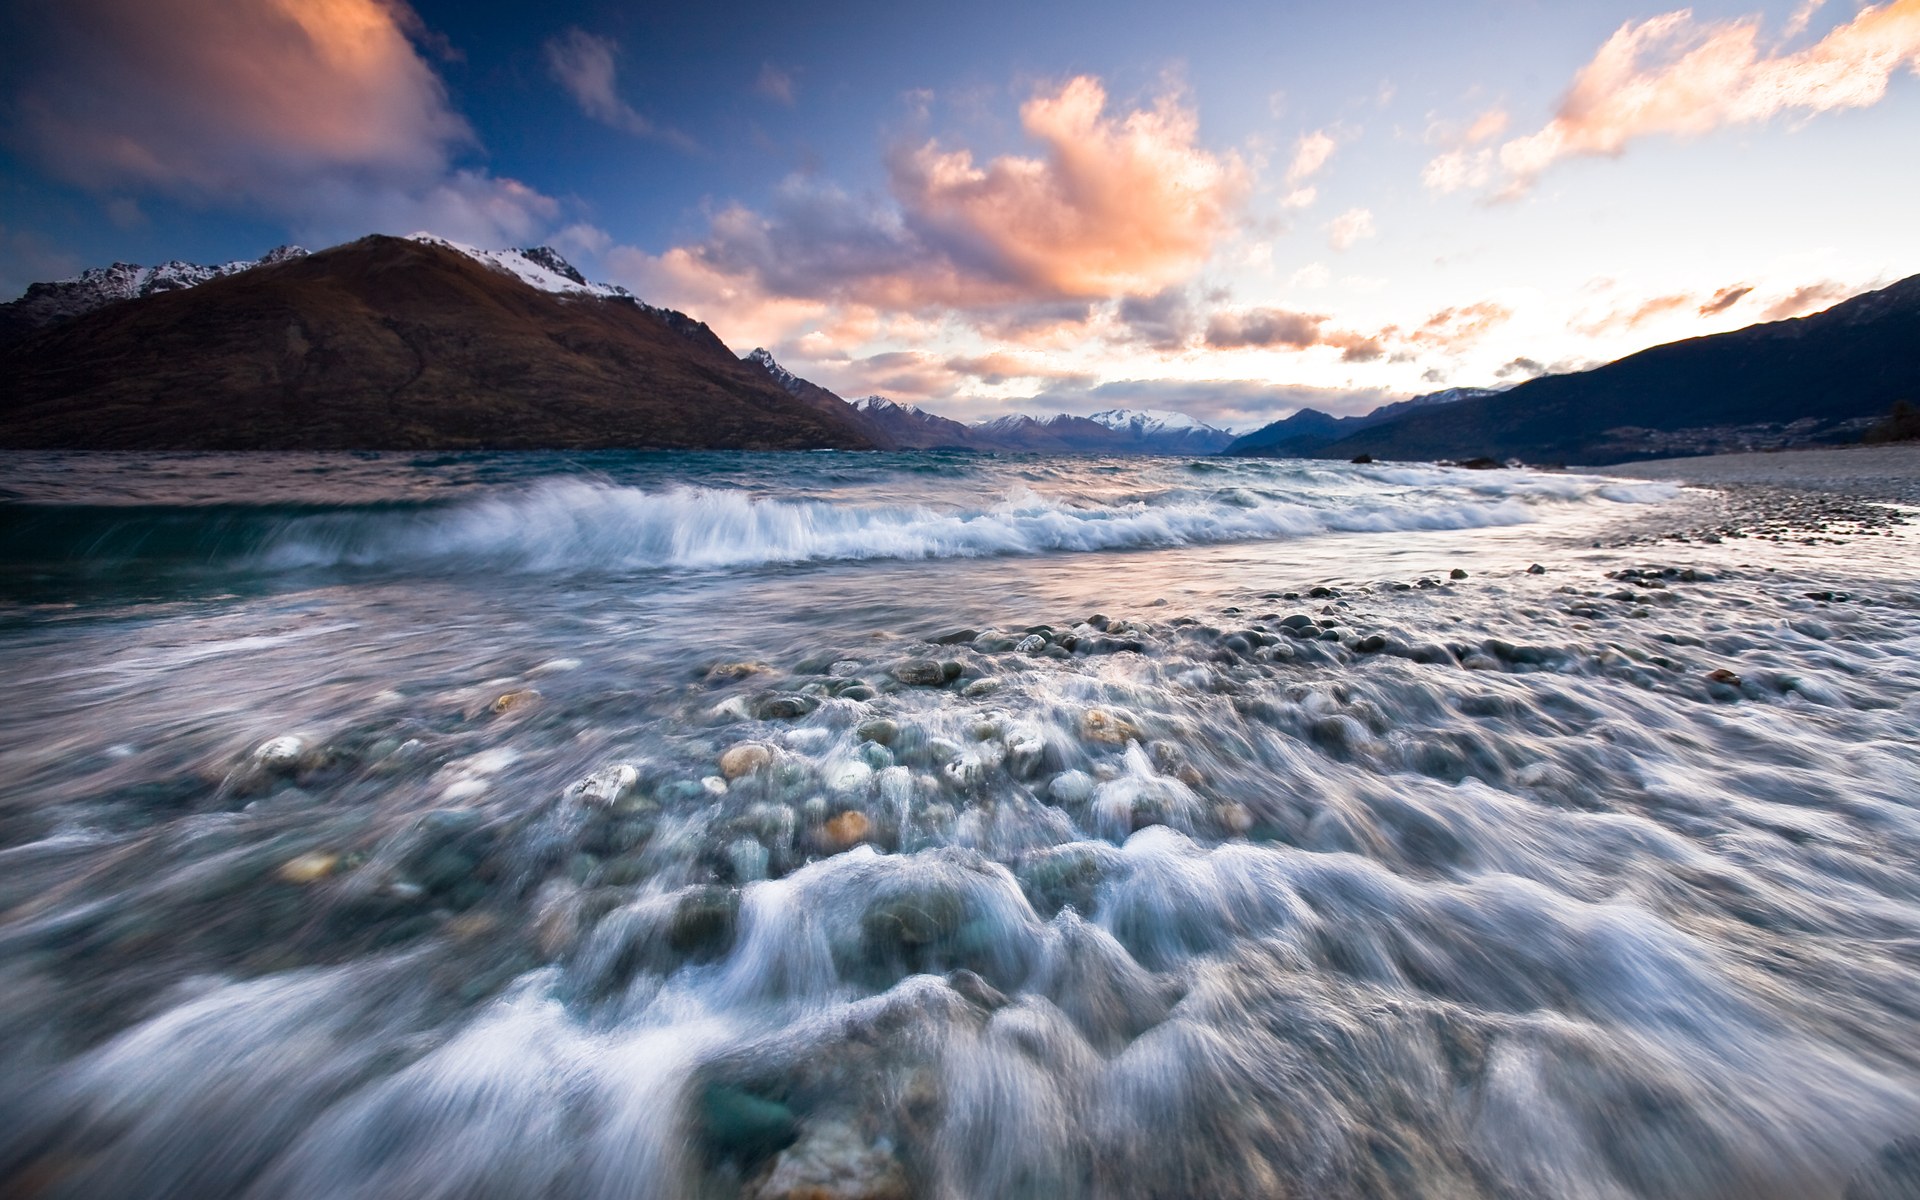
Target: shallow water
x,y
616,826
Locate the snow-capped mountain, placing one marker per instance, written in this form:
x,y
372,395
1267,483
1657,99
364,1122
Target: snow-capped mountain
x,y
45,303
537,266
909,426
880,404
1164,432
1146,421
391,343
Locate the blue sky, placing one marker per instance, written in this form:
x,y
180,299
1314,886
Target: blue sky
x,y
1227,209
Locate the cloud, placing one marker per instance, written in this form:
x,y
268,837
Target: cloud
x,y
320,112
1724,299
1354,225
1676,76
587,67
1113,205
1521,368
1265,327
775,84
1455,328
1639,314
1811,298
1163,321
1309,155
1463,166
1450,330
1119,205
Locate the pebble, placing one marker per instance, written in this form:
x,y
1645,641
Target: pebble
x,y
851,777
919,672
833,1160
878,730
1107,728
1456,573
848,829
1536,569
605,787
518,700
978,688
282,753
309,868
785,708
1033,643
744,759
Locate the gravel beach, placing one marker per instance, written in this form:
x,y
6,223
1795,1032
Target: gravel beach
x,y
1890,473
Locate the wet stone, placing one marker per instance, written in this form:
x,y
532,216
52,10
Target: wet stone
x,y
784,708
744,759
919,672
880,730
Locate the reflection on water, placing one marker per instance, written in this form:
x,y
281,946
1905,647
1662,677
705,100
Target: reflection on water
x,y
920,825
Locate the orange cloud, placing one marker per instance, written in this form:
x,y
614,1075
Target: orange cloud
x,y
1811,298
1020,247
320,110
1671,75
1117,206
1724,299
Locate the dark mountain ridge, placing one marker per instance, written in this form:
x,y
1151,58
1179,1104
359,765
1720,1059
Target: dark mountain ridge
x,y
1819,378
394,343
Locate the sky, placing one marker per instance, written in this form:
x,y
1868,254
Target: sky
x,y
1232,210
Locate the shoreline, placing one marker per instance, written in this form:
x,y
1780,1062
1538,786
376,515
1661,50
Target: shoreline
x,y
1886,473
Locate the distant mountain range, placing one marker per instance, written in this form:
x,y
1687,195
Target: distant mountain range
x,y
893,425
1307,432
424,343
1820,378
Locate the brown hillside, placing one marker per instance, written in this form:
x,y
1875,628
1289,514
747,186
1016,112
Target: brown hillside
x,y
386,343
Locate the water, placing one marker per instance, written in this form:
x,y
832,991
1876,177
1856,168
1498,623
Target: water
x,y
614,825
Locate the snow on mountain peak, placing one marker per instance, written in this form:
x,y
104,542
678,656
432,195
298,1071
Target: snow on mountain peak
x,y
44,303
1147,422
872,404
540,267
763,358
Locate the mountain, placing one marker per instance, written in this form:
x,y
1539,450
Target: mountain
x,y
1820,378
911,427
1115,431
1155,431
48,303
821,400
1309,431
1059,434
396,343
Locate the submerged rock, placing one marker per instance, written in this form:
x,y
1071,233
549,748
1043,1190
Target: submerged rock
x,y
833,1160
919,672
1108,728
744,759
848,829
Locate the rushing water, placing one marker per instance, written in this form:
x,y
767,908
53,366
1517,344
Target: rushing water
x,y
933,825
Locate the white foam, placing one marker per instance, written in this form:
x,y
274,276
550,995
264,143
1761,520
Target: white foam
x,y
577,525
